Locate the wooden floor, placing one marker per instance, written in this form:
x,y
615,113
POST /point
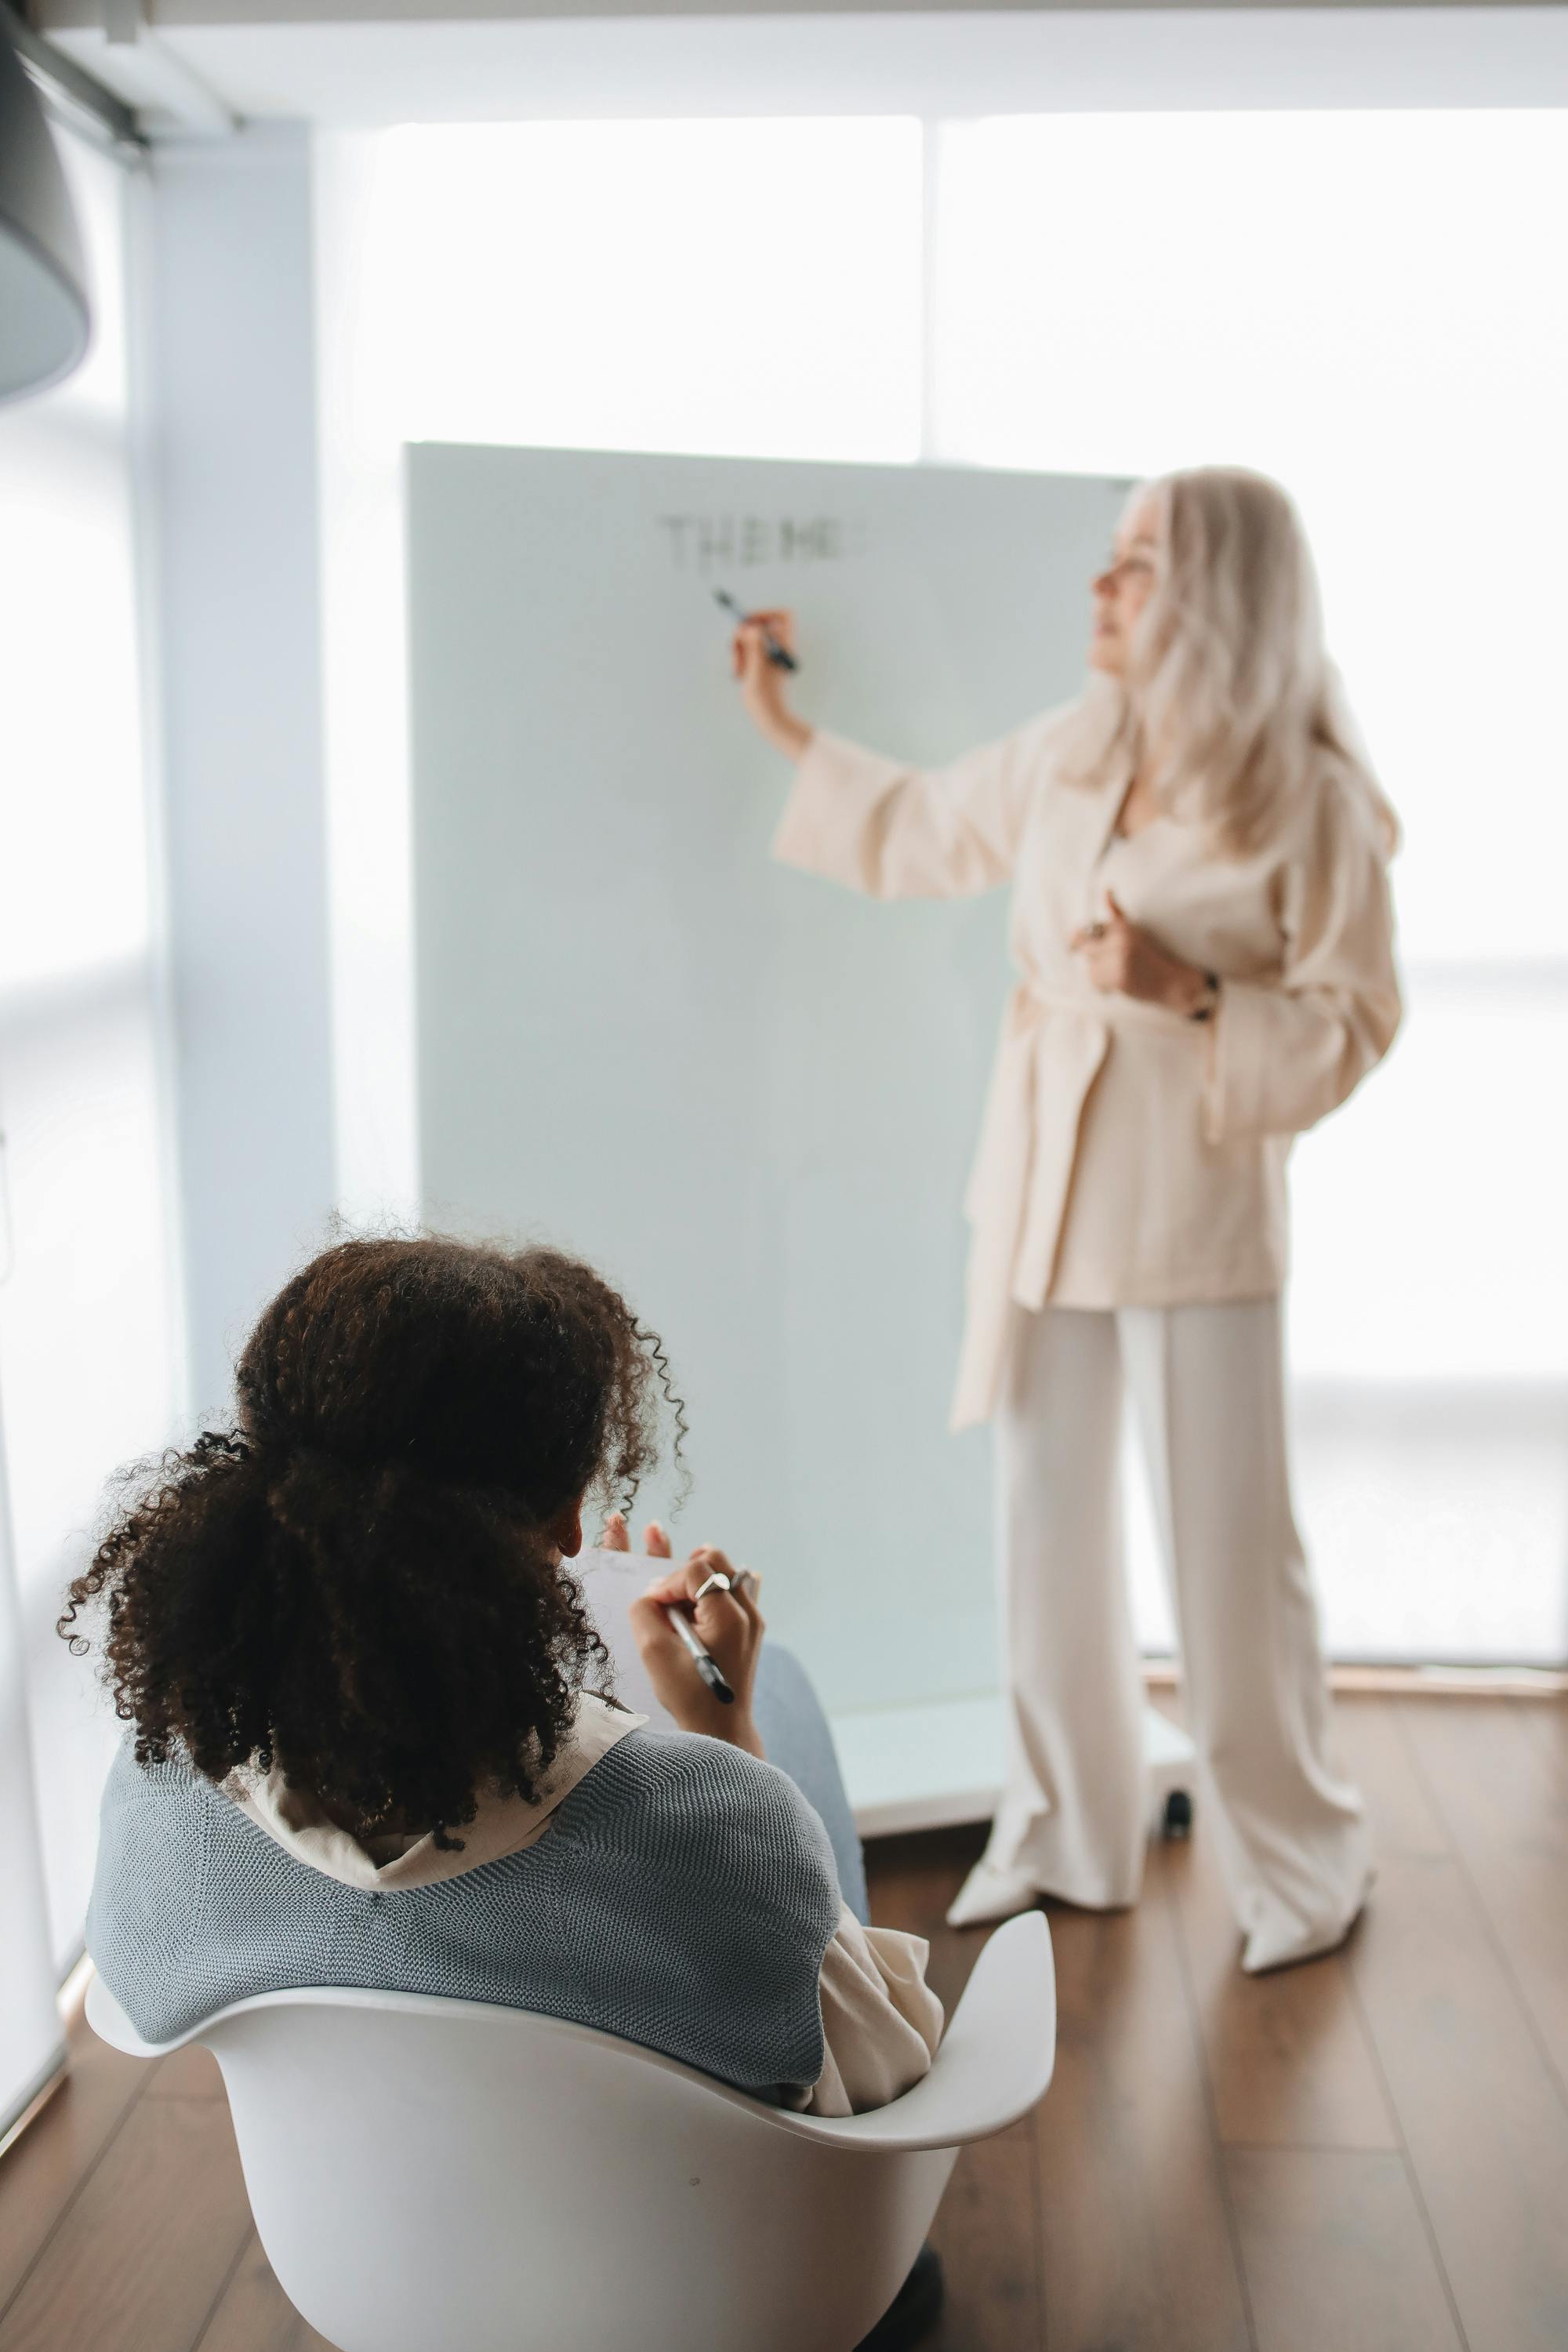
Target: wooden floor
x,y
1368,2154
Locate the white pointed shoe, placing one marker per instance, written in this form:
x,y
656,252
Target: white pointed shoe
x,y
990,1893
1263,1954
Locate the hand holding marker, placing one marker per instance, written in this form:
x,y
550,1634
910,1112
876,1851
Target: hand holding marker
x,y
780,656
667,1602
703,1659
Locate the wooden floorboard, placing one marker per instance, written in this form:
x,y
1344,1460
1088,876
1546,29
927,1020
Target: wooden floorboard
x,y
1373,1752
191,2072
1368,2154
1480,2112
1290,2062
44,2169
1502,1792
987,2231
146,2249
1336,2252
254,2315
1137,2247
987,2234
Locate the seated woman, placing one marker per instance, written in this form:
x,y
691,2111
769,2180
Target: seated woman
x,y
367,1747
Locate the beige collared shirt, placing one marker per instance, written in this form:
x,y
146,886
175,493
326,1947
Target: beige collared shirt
x,y
880,2021
1127,1156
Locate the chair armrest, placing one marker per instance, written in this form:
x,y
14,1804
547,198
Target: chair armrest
x,y
995,2060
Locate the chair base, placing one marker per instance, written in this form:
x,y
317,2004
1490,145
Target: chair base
x,y
914,2310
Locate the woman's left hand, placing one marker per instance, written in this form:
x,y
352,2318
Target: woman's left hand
x,y
1122,960
617,1537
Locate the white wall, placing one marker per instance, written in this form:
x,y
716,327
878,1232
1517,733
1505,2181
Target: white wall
x,y
232,351
426,61
31,2044
365,702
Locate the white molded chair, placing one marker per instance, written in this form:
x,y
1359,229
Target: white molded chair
x,y
448,2176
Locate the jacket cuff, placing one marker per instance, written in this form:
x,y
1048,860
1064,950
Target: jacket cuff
x,y
837,787
1236,1086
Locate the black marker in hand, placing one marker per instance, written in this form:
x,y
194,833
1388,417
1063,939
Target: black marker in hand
x,y
701,1657
780,656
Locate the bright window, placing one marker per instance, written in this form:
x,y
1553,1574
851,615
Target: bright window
x,y
90,1351
733,289
742,289
1372,308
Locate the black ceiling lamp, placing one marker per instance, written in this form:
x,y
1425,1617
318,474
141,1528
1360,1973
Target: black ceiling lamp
x,y
44,317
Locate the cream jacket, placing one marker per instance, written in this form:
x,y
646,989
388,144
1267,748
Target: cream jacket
x,y
1128,1156
880,2021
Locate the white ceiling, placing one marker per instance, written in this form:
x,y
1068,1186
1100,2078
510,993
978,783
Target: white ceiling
x,y
403,65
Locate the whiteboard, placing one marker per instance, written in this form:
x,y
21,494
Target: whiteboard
x,y
749,1097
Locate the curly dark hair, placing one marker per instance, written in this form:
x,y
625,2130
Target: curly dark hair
x,y
359,1583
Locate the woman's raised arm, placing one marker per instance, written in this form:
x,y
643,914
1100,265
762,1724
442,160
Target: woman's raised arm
x,y
877,824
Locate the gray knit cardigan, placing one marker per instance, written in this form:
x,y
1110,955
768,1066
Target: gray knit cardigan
x,y
683,1898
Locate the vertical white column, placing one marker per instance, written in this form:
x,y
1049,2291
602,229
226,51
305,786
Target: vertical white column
x,y
930,134
31,2043
369,805
89,1359
931,449
232,360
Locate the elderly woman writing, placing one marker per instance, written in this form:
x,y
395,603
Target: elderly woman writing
x,y
1202,929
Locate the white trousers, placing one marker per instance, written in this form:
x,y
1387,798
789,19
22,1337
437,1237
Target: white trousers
x,y
1207,1384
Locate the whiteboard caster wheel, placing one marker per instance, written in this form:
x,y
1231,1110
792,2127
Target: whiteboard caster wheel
x,y
1178,1818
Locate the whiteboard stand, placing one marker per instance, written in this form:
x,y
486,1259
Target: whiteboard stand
x,y
933,1766
939,1765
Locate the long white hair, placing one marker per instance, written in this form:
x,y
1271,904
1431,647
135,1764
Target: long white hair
x,y
1230,698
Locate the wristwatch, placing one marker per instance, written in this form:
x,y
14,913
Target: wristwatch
x,y
1206,1010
